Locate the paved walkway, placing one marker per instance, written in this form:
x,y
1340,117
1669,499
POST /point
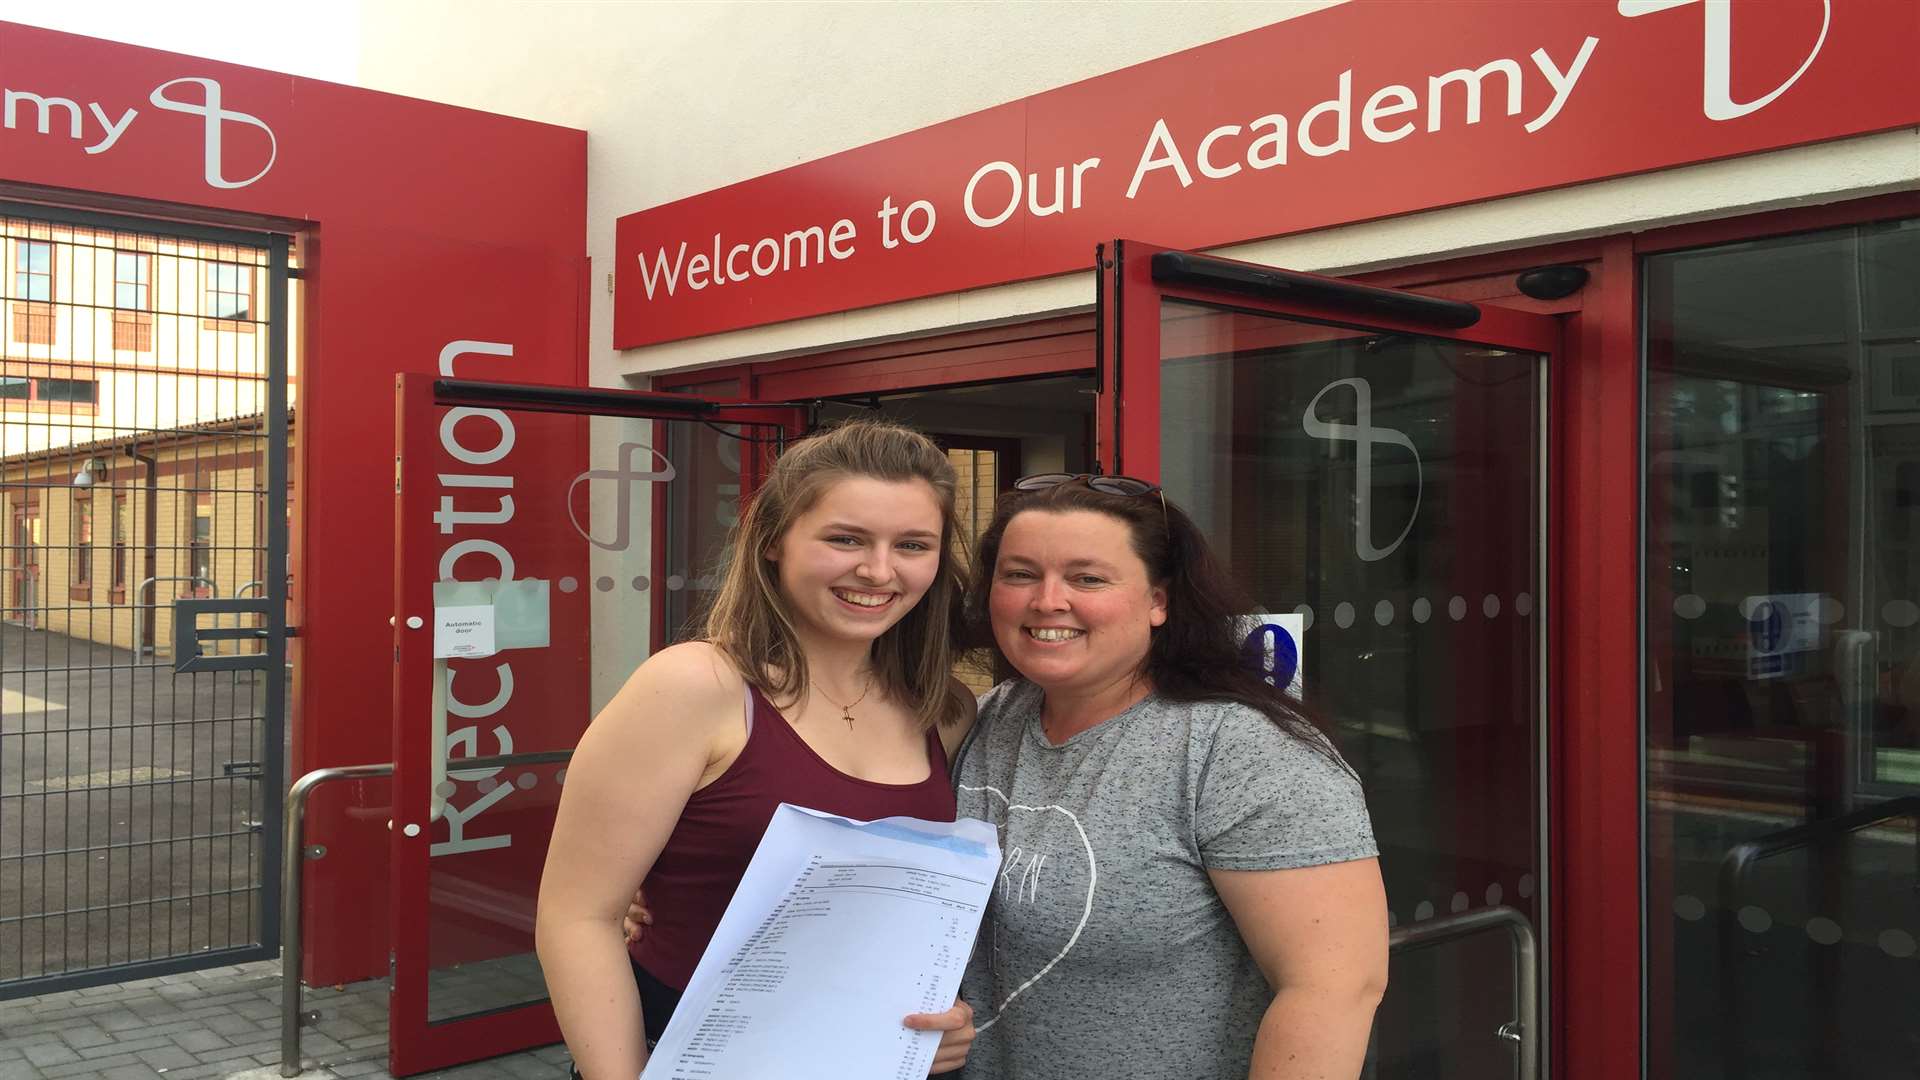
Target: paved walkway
x,y
221,1022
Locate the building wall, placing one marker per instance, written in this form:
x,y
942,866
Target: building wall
x,y
101,613
684,98
155,356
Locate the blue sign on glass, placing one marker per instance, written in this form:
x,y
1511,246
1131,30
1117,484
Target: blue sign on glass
x,y
1275,645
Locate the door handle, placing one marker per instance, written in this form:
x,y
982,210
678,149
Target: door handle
x,y
188,634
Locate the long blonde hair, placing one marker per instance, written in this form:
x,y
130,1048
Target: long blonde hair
x,y
750,620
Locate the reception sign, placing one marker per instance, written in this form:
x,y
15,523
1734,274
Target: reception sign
x,y
1362,111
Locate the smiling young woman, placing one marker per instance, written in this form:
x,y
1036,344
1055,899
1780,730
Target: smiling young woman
x,y
821,679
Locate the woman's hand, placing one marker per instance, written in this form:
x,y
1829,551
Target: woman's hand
x,y
956,1035
638,918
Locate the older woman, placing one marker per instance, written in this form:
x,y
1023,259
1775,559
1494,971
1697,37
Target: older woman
x,y
1190,888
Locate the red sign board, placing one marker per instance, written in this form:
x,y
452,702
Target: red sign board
x,y
1362,111
432,239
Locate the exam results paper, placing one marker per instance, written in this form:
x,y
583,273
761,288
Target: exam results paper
x,y
839,929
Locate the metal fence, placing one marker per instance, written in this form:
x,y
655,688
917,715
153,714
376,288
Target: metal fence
x,y
143,438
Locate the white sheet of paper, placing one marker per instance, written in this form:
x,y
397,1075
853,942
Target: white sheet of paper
x,y
839,929
463,630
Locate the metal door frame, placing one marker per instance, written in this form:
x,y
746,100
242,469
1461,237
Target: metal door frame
x,y
1131,279
268,802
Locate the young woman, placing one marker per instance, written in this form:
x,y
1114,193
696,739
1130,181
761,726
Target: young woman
x,y
821,679
1190,888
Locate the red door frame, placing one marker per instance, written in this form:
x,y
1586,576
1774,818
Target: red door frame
x,y
1594,758
1130,419
415,1045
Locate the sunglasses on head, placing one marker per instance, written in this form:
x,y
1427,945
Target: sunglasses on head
x,y
1107,485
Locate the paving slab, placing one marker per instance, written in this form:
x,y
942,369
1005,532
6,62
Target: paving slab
x,y
218,1024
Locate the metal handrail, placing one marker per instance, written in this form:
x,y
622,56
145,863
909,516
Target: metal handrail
x,y
1739,858
140,617
294,854
1733,871
1524,1030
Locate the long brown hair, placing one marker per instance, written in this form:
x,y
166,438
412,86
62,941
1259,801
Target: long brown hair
x,y
1198,653
749,618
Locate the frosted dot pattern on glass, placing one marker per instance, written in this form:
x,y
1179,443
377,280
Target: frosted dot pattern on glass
x,y
1827,611
1823,931
1755,919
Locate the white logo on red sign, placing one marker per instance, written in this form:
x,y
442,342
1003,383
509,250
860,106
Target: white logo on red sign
x,y
1717,88
46,110
217,118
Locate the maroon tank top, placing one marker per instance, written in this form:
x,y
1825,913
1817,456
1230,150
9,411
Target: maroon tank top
x,y
708,851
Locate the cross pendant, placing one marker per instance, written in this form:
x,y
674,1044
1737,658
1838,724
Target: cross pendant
x,y
847,715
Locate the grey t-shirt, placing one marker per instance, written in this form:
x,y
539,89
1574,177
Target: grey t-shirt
x,y
1106,952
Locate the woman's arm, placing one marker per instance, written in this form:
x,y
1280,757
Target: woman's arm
x,y
1319,933
629,779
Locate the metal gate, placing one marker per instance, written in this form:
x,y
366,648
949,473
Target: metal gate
x,y
144,427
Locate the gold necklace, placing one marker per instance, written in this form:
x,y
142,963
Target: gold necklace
x,y
846,711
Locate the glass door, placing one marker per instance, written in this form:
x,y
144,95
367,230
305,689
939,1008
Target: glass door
x,y
539,532
1375,461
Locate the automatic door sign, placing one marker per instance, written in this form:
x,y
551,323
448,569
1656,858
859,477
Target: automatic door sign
x,y
1781,630
1276,645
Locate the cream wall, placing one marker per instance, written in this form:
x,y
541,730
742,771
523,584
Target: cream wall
x,y
680,98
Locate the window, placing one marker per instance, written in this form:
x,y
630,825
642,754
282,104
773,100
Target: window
x,y
82,545
119,531
230,294
132,281
200,546
33,292
1782,642
33,271
132,301
52,394
86,391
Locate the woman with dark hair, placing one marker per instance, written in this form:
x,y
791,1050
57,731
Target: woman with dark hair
x,y
1190,887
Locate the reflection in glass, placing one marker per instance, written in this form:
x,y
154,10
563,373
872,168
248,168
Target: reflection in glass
x,y
1783,654
1387,487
